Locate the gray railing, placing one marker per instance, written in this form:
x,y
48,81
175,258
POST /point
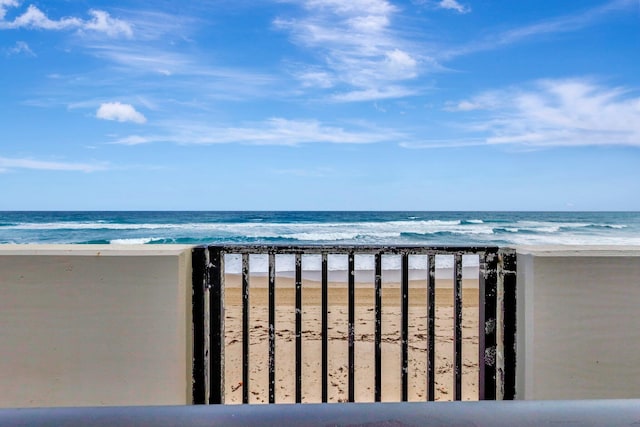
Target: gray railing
x,y
609,413
496,331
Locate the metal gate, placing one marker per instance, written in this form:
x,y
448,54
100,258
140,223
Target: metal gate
x,y
497,318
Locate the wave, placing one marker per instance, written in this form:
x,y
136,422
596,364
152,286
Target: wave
x,y
513,230
471,221
136,241
96,242
327,228
595,226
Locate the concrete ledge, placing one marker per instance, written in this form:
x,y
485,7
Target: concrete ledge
x,y
87,325
609,413
578,322
95,325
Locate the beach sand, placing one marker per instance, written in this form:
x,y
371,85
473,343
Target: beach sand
x,y
338,345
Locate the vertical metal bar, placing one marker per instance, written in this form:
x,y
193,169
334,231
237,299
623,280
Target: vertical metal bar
x,y
378,327
510,326
457,326
431,326
298,260
272,327
487,326
245,328
199,284
325,329
216,326
404,332
352,309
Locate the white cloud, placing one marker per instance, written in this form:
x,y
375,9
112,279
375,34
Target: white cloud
x,y
315,78
357,48
572,112
7,163
454,5
134,140
400,65
4,5
197,74
102,22
443,143
20,48
275,131
372,94
486,101
34,18
120,112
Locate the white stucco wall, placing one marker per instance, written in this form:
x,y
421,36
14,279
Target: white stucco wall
x,y
95,325
111,325
578,322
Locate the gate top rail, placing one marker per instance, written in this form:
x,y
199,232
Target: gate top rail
x,y
309,249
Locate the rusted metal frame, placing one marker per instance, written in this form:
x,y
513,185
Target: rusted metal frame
x,y
245,328
431,327
298,263
216,333
457,326
325,328
198,315
378,327
272,327
404,330
509,267
351,338
487,324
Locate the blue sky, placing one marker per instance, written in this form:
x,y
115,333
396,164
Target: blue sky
x,y
320,105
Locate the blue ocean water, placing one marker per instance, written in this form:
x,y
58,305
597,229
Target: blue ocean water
x,y
401,228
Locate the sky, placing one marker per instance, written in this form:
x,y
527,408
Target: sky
x,y
320,105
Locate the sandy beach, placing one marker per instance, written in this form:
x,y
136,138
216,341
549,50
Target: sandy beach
x,y
338,346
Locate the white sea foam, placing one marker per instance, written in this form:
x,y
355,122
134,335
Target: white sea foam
x,y
139,241
520,229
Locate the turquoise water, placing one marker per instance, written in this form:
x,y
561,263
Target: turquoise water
x,y
398,228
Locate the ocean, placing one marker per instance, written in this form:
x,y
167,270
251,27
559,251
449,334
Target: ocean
x,y
334,228
283,227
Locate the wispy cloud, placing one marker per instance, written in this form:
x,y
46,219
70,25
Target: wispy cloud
x,y
275,131
562,24
453,5
8,163
34,18
443,143
358,51
373,94
163,70
20,48
120,112
572,112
